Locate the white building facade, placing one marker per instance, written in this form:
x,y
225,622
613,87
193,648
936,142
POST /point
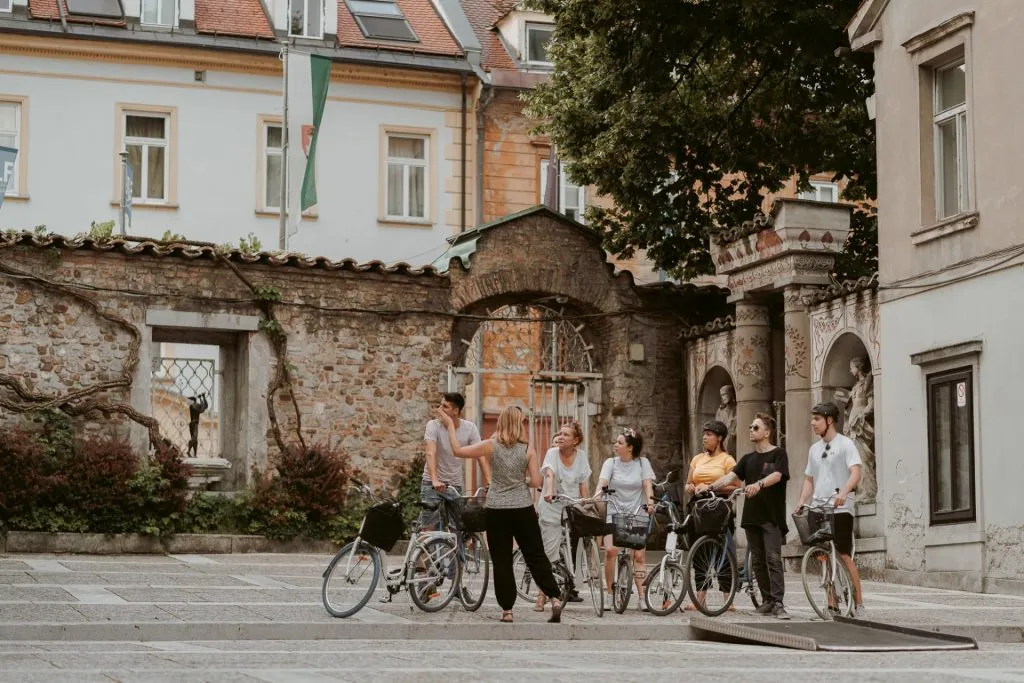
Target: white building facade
x,y
951,247
199,114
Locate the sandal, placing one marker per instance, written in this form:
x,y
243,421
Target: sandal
x,y
556,612
539,606
506,616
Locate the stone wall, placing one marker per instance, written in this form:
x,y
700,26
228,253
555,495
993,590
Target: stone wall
x,y
368,347
364,377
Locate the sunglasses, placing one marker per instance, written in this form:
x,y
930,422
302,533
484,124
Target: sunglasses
x,y
755,428
825,454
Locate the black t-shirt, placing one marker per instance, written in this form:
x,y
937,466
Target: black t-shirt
x,y
769,505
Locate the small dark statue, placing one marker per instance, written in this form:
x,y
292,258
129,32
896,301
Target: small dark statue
x,y
197,405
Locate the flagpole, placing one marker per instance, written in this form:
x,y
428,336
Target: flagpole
x,y
283,228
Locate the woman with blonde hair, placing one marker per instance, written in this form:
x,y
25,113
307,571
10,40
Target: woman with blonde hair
x,y
510,512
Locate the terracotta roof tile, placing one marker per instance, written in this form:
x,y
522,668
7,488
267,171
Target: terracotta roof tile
x,y
435,38
482,15
232,18
47,9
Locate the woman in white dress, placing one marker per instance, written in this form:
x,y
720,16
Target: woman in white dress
x,y
566,471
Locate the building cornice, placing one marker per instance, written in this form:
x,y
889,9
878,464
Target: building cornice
x,y
200,59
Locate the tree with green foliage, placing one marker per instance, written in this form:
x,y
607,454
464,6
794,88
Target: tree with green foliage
x,y
687,112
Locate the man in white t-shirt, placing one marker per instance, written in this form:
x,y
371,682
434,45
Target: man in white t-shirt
x,y
442,468
832,474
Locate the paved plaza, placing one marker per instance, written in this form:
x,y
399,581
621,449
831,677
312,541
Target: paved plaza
x,y
259,618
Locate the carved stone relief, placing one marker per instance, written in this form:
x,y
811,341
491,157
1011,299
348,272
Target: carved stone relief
x,y
796,352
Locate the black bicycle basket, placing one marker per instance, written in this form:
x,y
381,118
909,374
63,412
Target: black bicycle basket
x,y
471,515
630,531
586,520
383,525
710,516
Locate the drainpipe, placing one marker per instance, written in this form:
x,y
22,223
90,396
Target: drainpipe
x,y
465,130
63,19
482,104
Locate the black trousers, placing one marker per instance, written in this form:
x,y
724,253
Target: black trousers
x,y
520,525
765,543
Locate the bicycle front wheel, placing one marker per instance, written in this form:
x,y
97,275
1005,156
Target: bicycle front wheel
x,y
433,574
476,568
590,571
666,589
350,579
711,568
827,586
526,588
623,588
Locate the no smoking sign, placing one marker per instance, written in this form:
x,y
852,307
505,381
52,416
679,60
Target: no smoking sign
x,y
961,394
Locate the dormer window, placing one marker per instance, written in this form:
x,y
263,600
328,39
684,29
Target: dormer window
x,y
538,36
159,12
95,9
381,20
306,18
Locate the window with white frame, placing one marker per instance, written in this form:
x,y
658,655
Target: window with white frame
x,y
406,182
306,18
273,168
821,192
159,12
538,36
950,132
146,139
572,198
5,5
10,136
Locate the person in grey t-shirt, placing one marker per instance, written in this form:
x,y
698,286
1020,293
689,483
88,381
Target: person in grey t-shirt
x,y
442,468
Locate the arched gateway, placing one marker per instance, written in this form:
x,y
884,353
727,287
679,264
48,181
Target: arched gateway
x,y
545,322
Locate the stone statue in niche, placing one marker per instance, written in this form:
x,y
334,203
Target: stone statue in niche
x,y
727,413
859,425
197,405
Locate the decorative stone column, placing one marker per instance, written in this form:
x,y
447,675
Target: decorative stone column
x,y
752,367
798,387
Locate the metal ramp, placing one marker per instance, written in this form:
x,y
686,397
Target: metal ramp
x,y
840,635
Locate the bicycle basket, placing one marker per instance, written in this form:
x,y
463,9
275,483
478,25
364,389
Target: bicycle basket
x,y
586,519
383,525
710,516
471,516
813,526
630,531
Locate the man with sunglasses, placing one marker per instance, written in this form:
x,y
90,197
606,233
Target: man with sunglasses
x,y
833,472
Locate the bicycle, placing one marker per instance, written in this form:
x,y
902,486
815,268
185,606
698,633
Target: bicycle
x,y
563,567
473,559
832,576
589,554
712,558
630,534
434,555
668,578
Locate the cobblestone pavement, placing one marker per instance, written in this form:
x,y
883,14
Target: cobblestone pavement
x,y
459,661
259,618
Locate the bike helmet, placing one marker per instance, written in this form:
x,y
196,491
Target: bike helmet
x,y
715,427
826,410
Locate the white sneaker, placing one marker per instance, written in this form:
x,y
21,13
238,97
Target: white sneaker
x,y
859,612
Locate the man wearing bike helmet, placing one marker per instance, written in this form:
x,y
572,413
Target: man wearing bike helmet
x,y
832,474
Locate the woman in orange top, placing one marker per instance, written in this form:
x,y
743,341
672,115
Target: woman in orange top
x,y
705,468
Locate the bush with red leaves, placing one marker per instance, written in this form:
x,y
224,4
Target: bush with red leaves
x,y
98,478
23,480
308,492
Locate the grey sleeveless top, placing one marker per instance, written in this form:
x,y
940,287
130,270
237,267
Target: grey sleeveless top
x,y
508,478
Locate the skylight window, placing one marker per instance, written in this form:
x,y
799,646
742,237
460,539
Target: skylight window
x,y
381,20
100,9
